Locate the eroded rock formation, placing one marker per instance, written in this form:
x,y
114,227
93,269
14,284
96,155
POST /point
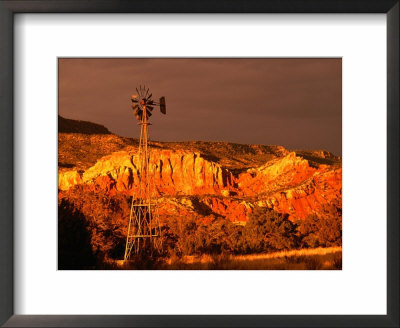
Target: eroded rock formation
x,y
289,183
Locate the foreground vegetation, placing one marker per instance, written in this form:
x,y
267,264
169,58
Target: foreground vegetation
x,y
304,259
92,230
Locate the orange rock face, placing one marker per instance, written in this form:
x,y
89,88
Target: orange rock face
x,y
68,179
288,184
175,173
312,196
286,172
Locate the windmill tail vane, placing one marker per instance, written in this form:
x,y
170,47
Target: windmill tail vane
x,y
144,229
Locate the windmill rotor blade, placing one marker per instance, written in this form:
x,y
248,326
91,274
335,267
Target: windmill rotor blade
x,y
142,104
138,113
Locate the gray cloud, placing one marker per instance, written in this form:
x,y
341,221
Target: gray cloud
x,y
292,102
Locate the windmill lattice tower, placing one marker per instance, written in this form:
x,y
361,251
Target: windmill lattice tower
x,y
144,230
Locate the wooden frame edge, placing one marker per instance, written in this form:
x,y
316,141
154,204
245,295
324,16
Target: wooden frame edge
x,y
9,8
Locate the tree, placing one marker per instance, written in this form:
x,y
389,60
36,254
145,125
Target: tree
x,y
74,239
268,230
324,232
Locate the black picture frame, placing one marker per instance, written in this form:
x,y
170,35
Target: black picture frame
x,y
10,7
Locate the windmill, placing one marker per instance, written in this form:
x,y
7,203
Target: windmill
x,y
144,229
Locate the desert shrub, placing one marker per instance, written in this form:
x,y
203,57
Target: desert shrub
x,y
74,239
321,232
181,236
265,231
268,230
232,239
191,236
106,218
221,236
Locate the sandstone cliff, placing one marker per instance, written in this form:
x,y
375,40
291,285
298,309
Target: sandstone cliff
x,y
204,180
175,173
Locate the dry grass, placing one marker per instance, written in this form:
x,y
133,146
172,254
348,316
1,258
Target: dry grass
x,y
296,252
331,261
304,259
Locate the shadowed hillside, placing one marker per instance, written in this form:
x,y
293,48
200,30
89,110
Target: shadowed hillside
x,y
82,150
73,126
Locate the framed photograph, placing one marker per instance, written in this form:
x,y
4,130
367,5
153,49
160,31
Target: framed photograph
x,y
202,164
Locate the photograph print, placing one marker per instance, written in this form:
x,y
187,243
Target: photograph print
x,y
199,164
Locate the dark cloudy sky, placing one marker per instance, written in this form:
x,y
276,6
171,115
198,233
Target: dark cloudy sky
x,y
296,103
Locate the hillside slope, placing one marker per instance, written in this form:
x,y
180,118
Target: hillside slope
x,y
206,178
73,126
